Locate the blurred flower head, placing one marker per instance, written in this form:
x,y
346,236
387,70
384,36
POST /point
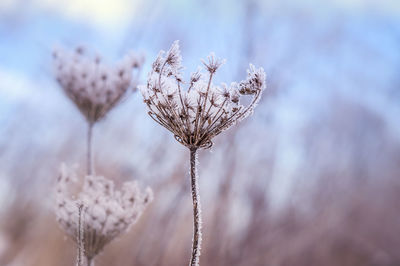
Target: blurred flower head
x,y
203,110
106,213
92,85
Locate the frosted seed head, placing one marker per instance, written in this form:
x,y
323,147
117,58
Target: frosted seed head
x,y
224,92
213,63
92,85
255,81
157,64
234,96
173,56
202,111
195,76
106,212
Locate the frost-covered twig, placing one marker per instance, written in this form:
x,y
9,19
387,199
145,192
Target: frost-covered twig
x,y
196,245
199,113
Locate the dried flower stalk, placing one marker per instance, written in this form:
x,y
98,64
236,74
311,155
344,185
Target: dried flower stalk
x,y
94,87
196,242
199,113
79,237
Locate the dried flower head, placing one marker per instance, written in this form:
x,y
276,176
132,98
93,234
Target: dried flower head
x,y
105,212
204,110
93,86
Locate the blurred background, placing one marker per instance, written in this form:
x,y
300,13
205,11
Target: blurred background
x,y
312,178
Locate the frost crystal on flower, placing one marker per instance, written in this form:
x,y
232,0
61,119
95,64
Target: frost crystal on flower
x,y
93,86
203,110
106,212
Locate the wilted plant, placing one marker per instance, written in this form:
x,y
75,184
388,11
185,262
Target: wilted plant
x,y
197,114
99,213
93,86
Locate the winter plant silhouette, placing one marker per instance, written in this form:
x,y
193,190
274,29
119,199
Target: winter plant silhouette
x,y
197,114
98,214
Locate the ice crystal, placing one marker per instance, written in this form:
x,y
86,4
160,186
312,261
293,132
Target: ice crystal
x,y
203,110
92,85
106,213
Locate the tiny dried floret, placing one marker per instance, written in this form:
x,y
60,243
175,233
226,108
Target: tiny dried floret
x,y
92,85
197,114
194,77
213,63
106,214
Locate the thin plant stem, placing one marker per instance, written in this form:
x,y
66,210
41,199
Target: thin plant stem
x,y
80,235
196,245
89,157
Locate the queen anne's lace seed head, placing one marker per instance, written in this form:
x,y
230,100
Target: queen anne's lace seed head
x,y
106,212
203,110
92,85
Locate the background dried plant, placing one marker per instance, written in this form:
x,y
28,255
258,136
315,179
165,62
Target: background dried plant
x,y
94,86
99,213
311,179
